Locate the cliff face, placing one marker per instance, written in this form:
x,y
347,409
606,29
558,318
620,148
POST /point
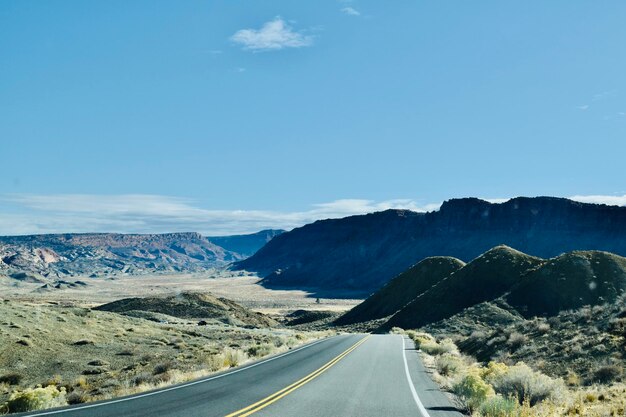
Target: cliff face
x,y
364,252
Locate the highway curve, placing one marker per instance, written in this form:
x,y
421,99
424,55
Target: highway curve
x,y
347,375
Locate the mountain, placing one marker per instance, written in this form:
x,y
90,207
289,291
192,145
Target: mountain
x,y
402,289
364,252
191,305
245,245
485,278
504,283
97,254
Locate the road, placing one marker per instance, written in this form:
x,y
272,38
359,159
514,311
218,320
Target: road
x,y
348,375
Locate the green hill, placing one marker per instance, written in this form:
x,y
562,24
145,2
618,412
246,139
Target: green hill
x,y
402,289
486,278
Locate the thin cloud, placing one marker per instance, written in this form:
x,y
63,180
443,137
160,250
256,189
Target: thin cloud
x,y
140,213
611,200
273,35
351,11
604,95
33,214
583,107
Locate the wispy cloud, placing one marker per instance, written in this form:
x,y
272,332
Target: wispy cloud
x,y
583,107
30,214
351,11
611,200
273,35
604,95
141,213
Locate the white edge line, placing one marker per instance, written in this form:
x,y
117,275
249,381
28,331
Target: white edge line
x,y
199,381
420,406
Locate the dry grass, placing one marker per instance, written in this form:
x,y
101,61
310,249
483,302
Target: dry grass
x,y
94,355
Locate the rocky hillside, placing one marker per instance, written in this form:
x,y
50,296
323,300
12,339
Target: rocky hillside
x,y
503,286
193,306
53,256
570,281
402,289
486,278
364,252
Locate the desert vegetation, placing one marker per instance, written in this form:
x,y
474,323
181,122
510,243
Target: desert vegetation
x,y
507,388
55,355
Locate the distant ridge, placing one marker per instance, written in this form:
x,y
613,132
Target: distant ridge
x,y
364,252
99,254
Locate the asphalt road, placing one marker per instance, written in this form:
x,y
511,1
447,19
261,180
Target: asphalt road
x,y
349,375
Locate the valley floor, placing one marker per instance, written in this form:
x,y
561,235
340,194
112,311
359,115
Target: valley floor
x,y
241,288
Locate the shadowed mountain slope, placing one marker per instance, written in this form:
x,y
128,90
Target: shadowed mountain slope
x,y
245,245
484,279
402,289
570,281
193,306
364,252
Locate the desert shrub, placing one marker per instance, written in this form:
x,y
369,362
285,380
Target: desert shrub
x,y
608,373
448,365
260,350
81,382
543,328
77,397
433,348
472,389
420,338
142,378
162,368
494,370
233,357
12,378
572,379
214,362
54,380
516,340
521,382
36,399
498,406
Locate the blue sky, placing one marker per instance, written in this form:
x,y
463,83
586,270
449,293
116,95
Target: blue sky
x,y
228,116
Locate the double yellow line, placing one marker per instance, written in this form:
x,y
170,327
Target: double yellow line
x,y
259,405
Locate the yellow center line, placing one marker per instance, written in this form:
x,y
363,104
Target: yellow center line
x,y
259,405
